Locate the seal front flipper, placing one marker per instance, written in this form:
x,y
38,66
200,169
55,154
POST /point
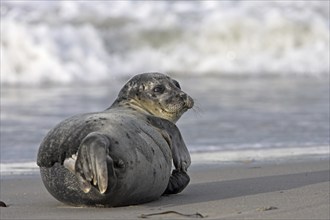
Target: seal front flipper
x,y
172,135
178,181
180,153
179,178
93,164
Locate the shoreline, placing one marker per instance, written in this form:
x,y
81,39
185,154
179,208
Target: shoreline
x,y
217,157
286,190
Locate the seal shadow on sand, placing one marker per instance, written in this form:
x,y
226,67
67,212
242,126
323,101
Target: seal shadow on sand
x,y
212,191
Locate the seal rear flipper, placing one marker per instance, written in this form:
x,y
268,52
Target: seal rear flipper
x,y
93,164
178,181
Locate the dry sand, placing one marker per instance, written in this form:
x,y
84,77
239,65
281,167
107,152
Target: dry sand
x,y
296,190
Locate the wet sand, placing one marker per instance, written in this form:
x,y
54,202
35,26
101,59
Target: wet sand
x,y
295,190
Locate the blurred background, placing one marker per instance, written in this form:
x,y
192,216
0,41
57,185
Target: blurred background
x,y
258,70
92,41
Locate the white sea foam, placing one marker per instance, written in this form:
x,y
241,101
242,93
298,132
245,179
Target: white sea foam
x,y
260,155
65,41
18,168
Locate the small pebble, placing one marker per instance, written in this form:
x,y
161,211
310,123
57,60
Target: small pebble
x,y
268,208
2,204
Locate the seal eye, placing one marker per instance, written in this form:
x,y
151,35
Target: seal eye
x,y
176,84
159,89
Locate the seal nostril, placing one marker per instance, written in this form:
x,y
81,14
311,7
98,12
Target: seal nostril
x,y
183,95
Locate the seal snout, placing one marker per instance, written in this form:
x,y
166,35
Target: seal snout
x,y
189,102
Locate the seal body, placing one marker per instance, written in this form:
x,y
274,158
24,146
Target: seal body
x,y
123,155
143,154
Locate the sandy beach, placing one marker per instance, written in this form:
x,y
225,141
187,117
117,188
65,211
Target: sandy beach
x,y
295,190
258,72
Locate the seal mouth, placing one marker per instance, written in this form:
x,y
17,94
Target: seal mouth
x,y
176,109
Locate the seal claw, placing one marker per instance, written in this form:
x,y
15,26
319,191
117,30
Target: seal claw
x,y
84,185
102,175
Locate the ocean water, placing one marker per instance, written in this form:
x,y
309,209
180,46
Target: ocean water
x,y
258,71
235,119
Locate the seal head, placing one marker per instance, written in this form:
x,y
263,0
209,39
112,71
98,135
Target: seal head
x,y
156,94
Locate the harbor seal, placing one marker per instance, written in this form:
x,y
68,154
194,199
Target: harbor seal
x,y
122,155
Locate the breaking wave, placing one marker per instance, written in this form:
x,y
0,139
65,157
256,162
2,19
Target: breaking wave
x,y
81,41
